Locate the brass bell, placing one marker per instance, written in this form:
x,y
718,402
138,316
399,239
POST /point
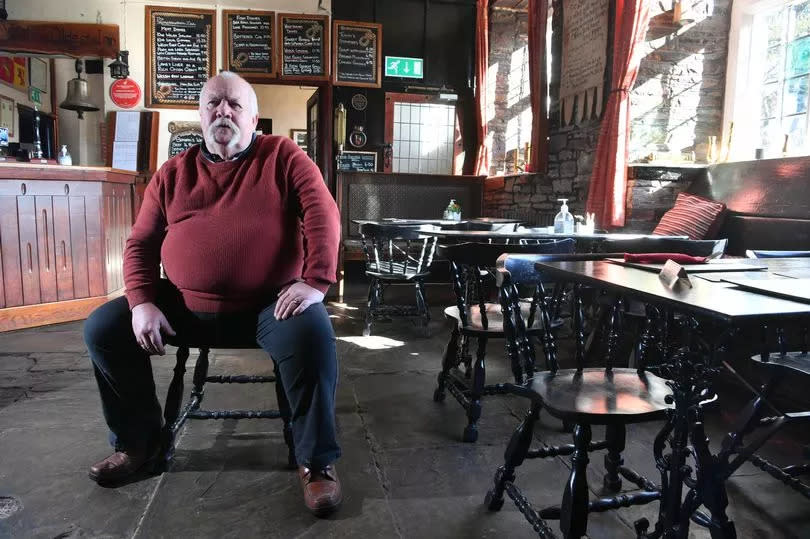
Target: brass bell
x,y
77,93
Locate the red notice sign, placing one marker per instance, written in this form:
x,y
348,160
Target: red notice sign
x,y
125,93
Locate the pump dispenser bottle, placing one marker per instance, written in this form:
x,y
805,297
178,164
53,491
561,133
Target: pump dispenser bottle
x,y
564,221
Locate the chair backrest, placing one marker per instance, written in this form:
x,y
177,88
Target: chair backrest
x,y
473,269
396,249
665,245
756,253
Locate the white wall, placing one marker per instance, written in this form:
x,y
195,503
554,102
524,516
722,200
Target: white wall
x,y
129,16
286,105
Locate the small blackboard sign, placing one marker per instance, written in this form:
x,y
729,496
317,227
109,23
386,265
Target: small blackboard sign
x,y
303,47
356,54
180,55
357,161
249,48
184,135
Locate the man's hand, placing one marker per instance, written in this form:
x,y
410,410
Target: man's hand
x,y
295,299
147,322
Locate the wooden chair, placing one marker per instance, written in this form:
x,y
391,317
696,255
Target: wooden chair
x,y
175,414
396,255
475,316
608,396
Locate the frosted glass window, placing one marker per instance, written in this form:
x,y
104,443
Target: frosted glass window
x,y
423,138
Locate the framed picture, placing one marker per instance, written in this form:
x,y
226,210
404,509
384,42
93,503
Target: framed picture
x,y
299,136
38,72
20,72
7,114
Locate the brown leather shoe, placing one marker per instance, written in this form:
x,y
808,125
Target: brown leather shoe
x,y
119,466
322,492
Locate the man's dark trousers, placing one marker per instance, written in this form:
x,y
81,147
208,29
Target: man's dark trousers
x,y
302,346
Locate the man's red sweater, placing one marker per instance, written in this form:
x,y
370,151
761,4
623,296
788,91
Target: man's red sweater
x,y
230,234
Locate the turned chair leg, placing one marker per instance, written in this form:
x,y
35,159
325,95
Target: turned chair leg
x,y
513,457
476,391
574,508
421,304
448,361
615,436
371,305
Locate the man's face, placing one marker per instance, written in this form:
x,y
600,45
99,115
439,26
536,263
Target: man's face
x,y
225,116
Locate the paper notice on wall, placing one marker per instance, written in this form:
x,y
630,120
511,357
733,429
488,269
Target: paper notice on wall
x,y
125,155
584,52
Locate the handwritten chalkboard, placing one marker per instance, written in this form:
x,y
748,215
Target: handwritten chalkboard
x,y
358,161
356,54
180,55
249,42
303,47
184,135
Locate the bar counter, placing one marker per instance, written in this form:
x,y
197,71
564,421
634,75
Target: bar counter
x,y
62,235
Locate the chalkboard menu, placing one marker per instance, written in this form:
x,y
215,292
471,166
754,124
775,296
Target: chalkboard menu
x,y
357,161
303,47
184,135
180,55
249,46
356,54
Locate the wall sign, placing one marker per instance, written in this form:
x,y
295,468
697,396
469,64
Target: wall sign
x,y
584,54
404,67
125,93
180,55
357,161
356,54
60,38
359,102
184,135
249,48
357,137
303,47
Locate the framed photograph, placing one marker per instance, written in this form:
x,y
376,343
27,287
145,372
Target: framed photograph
x,y
7,114
299,136
38,72
20,64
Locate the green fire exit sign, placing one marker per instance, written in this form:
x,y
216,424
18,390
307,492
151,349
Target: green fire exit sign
x,y
401,66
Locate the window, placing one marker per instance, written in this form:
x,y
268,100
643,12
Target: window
x,y
768,78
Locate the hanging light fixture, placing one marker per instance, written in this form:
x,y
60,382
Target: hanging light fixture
x,y
77,93
119,68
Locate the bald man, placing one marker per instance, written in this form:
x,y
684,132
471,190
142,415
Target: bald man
x,y
248,235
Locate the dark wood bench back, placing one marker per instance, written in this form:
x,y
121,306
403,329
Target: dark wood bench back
x,y
768,202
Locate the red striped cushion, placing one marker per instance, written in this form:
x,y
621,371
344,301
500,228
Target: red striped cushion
x,y
691,216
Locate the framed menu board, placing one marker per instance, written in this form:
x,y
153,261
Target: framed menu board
x,y
180,55
303,51
249,48
356,54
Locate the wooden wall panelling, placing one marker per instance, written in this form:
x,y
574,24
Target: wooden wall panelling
x,y
12,281
78,241
27,220
46,248
95,252
64,249
118,218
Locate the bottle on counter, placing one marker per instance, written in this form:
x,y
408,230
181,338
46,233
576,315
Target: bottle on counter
x,y
64,157
453,211
564,221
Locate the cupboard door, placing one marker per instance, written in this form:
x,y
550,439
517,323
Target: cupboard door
x,y
46,249
27,220
95,251
64,249
9,232
78,241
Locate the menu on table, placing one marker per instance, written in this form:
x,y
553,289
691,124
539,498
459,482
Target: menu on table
x,y
180,55
303,47
249,48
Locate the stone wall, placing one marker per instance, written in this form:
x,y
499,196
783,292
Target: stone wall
x,y
675,105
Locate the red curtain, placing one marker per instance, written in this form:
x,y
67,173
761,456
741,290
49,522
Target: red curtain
x,y
608,187
481,66
538,83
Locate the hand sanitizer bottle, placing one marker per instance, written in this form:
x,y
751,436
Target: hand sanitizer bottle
x,y
564,221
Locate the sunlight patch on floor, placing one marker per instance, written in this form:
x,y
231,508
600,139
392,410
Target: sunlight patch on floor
x,y
373,343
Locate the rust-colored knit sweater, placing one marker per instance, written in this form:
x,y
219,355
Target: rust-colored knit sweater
x,y
230,234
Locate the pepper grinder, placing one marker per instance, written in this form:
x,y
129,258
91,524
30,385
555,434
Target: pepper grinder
x,y
37,142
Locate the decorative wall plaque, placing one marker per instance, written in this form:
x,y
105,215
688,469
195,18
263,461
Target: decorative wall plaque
x,y
184,135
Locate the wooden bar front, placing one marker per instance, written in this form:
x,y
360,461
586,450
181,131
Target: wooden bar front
x,y
62,236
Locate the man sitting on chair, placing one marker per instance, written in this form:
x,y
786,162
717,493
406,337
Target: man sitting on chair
x,y
248,235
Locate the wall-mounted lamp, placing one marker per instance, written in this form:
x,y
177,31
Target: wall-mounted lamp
x,y
340,126
77,93
119,68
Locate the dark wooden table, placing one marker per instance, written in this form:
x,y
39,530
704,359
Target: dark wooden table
x,y
690,375
532,233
